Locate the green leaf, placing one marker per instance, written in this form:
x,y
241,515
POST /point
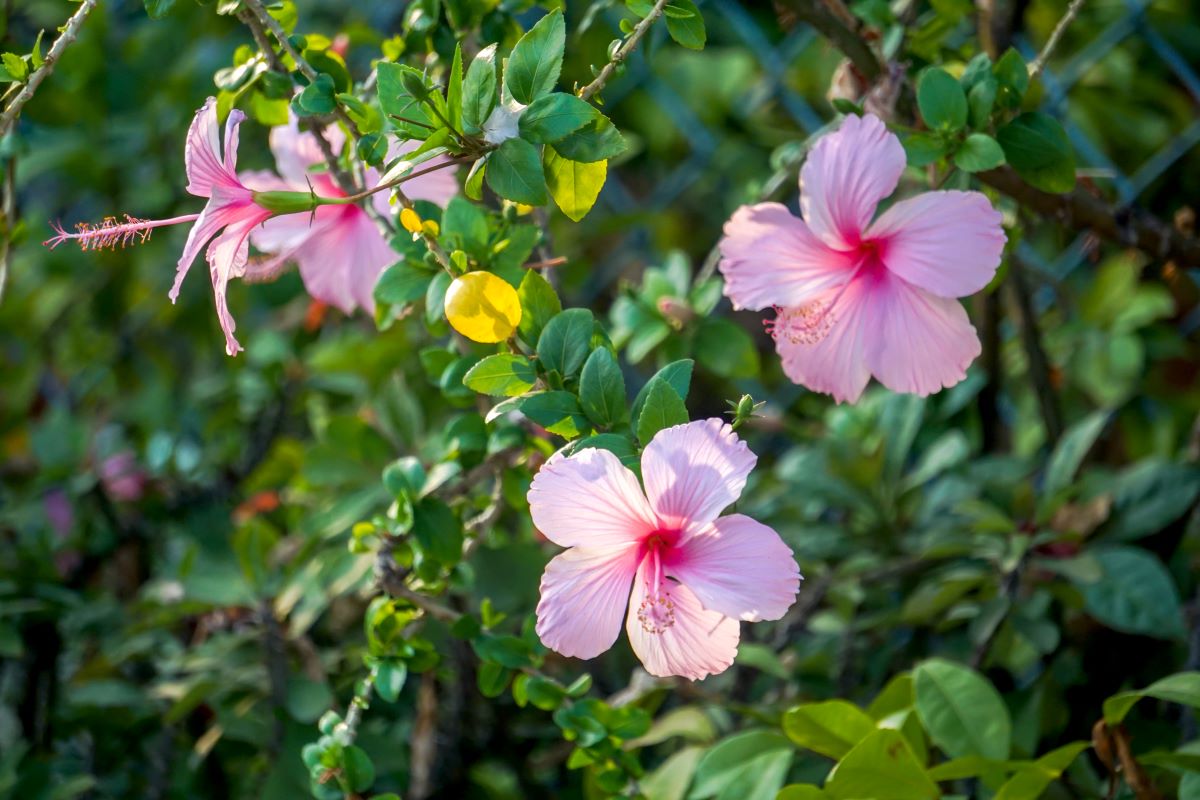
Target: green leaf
x,y
402,283
724,348
539,304
662,409
1013,76
602,388
1135,594
678,374
1030,782
317,97
398,103
492,678
881,765
981,100
831,728
978,153
941,99
465,225
372,148
35,54
479,90
557,412
751,765
566,341
1070,451
961,710
454,90
1182,688
157,9
923,149
357,769
596,141
1149,495
686,30
1036,146
389,679
553,116
438,530
801,791
515,173
503,375
619,445
573,185
532,69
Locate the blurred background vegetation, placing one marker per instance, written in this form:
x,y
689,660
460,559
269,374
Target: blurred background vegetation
x,y
178,604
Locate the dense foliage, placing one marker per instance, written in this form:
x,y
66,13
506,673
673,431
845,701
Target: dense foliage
x,y
311,569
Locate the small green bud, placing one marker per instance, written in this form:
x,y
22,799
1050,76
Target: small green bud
x,y
286,202
415,85
744,409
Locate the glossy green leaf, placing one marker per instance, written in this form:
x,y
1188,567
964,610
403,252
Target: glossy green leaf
x,y
514,171
502,375
566,341
881,765
532,69
552,117
961,710
941,99
662,409
1036,146
831,728
602,388
979,152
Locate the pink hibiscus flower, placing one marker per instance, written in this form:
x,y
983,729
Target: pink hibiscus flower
x,y
856,297
339,249
230,207
694,574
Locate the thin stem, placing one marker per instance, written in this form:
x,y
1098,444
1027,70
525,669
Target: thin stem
x,y
1039,63
451,162
623,51
70,32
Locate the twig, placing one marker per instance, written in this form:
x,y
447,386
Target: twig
x,y
70,32
1040,62
1039,364
623,51
843,37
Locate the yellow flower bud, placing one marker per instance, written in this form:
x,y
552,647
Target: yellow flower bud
x,y
410,220
483,307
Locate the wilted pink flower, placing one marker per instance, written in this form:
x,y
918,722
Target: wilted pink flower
x,y
694,574
339,249
857,297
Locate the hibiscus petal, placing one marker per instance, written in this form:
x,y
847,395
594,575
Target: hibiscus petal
x,y
227,256
590,500
584,592
672,634
739,567
770,258
694,471
232,123
342,258
835,363
948,243
206,226
202,151
919,342
296,151
845,176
